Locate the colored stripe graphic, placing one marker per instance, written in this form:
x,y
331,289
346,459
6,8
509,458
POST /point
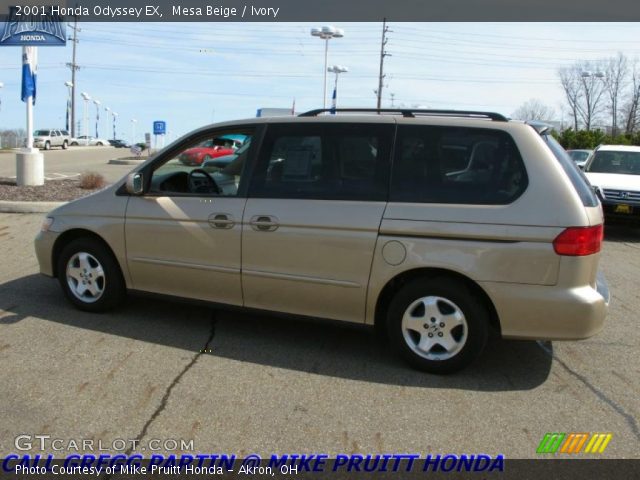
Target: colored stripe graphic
x,y
550,443
598,443
574,442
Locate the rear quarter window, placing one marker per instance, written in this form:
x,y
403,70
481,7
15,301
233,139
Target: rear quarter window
x,y
577,178
456,165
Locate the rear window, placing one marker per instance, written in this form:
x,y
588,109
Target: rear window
x,y
456,165
577,178
42,133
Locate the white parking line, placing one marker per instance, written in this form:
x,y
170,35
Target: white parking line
x,y
55,176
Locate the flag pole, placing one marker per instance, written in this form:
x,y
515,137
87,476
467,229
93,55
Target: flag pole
x,y
29,161
29,102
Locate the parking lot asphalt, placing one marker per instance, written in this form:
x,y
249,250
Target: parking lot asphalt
x,y
72,162
247,384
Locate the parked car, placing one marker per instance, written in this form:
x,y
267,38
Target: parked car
x,y
210,149
47,139
614,172
89,140
365,218
119,143
579,156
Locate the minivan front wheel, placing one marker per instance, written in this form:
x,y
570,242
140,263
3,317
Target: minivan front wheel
x,y
89,275
437,325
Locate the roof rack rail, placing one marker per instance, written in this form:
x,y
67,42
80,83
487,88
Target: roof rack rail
x,y
410,112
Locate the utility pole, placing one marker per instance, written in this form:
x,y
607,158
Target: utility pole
x,y
383,54
73,66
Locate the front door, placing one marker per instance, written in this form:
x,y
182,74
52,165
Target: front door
x,y
183,234
311,221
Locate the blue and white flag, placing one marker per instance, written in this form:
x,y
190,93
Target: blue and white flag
x,y
29,73
333,102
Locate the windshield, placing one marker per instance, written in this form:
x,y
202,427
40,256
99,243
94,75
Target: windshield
x,y
607,161
42,133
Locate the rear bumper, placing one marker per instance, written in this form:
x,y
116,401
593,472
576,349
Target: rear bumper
x,y
537,312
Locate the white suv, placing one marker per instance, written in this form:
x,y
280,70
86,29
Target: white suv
x,y
51,138
614,173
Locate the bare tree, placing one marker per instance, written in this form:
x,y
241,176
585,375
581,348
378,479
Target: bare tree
x,y
630,109
584,87
570,81
615,79
534,109
592,87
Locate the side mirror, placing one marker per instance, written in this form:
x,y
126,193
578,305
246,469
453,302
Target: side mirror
x,y
581,167
135,184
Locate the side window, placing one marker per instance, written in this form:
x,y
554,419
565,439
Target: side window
x,y
210,165
324,162
456,165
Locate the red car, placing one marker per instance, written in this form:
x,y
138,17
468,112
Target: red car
x,y
209,150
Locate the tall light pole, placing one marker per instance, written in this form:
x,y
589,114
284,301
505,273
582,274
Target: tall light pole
x,y
326,33
85,96
1,87
337,69
115,115
591,94
69,86
106,122
97,102
133,131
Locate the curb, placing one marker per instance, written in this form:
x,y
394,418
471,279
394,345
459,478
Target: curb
x,y
28,207
119,161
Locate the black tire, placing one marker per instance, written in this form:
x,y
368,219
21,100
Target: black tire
x,y
113,286
47,145
74,144
453,293
100,144
64,145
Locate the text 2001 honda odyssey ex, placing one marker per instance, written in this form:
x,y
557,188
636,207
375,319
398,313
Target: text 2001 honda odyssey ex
x,y
435,225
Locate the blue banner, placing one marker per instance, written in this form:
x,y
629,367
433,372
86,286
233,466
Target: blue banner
x,y
29,73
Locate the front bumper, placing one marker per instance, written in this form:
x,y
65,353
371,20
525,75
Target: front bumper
x,y
44,243
537,312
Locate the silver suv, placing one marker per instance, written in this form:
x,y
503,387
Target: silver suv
x,y
51,138
434,226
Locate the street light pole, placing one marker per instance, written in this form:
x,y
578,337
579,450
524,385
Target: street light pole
x,y
133,131
85,96
326,33
337,69
106,122
69,86
97,102
115,115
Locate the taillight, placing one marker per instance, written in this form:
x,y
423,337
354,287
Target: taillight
x,y
579,241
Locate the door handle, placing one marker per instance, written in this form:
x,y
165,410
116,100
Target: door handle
x,y
264,223
221,220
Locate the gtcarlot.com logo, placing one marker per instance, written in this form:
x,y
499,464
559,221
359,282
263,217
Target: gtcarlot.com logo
x,y
574,443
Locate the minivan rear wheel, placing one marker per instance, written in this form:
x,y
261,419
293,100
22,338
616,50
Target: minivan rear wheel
x,y
437,325
90,276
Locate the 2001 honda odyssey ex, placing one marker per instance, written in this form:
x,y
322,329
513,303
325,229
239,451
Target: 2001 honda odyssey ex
x,y
435,225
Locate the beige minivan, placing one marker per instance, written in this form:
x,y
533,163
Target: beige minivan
x,y
434,225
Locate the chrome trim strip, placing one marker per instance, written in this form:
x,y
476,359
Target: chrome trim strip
x,y
301,278
194,266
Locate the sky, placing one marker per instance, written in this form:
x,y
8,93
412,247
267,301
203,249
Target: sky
x,y
195,74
